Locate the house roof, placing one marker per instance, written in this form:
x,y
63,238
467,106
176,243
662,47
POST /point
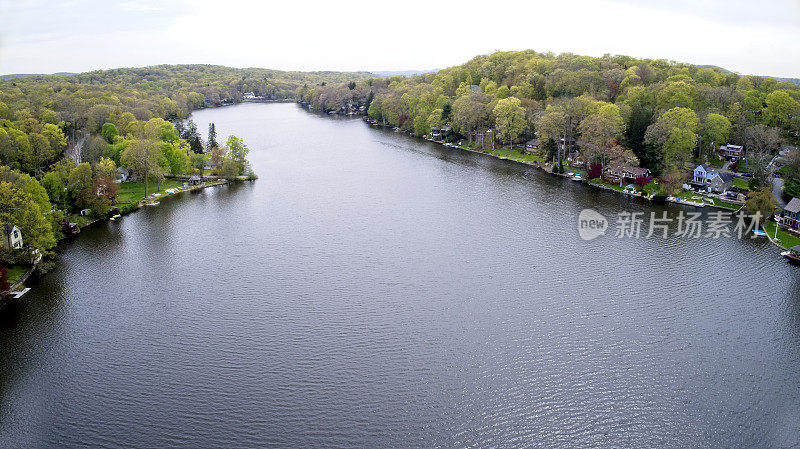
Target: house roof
x,y
532,142
194,178
793,206
636,171
727,177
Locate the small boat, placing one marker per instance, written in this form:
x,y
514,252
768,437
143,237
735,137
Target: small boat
x,y
115,217
792,254
154,203
577,177
759,233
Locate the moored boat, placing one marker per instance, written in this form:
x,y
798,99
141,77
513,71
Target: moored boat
x,y
792,254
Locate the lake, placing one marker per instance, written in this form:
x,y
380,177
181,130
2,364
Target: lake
x,y
376,290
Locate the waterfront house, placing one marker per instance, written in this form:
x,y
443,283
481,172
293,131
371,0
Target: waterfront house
x,y
623,173
123,174
732,152
711,179
12,237
195,180
532,145
790,215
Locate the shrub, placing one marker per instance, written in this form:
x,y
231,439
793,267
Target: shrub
x,y
642,181
595,171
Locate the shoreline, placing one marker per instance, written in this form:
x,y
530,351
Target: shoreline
x,y
563,175
19,284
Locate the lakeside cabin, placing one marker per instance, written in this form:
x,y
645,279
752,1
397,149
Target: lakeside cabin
x,y
790,215
532,145
620,174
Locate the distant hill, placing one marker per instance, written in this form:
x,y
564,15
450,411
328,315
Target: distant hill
x,y
27,75
726,71
390,73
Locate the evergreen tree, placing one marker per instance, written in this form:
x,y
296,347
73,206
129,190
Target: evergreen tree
x,y
212,137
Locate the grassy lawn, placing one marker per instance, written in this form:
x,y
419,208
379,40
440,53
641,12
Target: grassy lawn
x,y
15,272
726,204
786,240
741,183
611,186
515,155
716,163
744,167
134,191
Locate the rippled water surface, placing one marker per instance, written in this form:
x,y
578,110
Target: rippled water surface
x,y
373,290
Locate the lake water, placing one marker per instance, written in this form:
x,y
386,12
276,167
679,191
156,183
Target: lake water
x,y
376,290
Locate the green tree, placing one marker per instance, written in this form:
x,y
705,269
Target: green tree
x,y
237,152
762,201
17,208
468,114
144,154
675,132
109,132
715,130
79,185
780,108
509,119
212,137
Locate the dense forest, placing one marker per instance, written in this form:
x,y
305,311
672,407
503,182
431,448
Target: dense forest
x,y
64,139
659,114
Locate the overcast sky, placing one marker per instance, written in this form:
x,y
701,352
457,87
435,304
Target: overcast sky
x,y
38,36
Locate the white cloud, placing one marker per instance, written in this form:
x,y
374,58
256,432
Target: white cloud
x,y
90,34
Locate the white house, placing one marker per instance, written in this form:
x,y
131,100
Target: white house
x,y
711,179
13,237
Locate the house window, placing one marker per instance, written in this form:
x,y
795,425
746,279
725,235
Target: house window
x,y
16,234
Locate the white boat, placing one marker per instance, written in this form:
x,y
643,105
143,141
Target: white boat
x,y
115,217
759,233
792,254
577,177
154,203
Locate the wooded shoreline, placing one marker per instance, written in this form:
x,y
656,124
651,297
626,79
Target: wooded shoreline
x,y
539,166
20,283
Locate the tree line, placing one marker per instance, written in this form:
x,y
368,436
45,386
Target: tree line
x,y
63,138
660,114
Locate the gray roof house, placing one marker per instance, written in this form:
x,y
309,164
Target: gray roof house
x,y
790,214
711,179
